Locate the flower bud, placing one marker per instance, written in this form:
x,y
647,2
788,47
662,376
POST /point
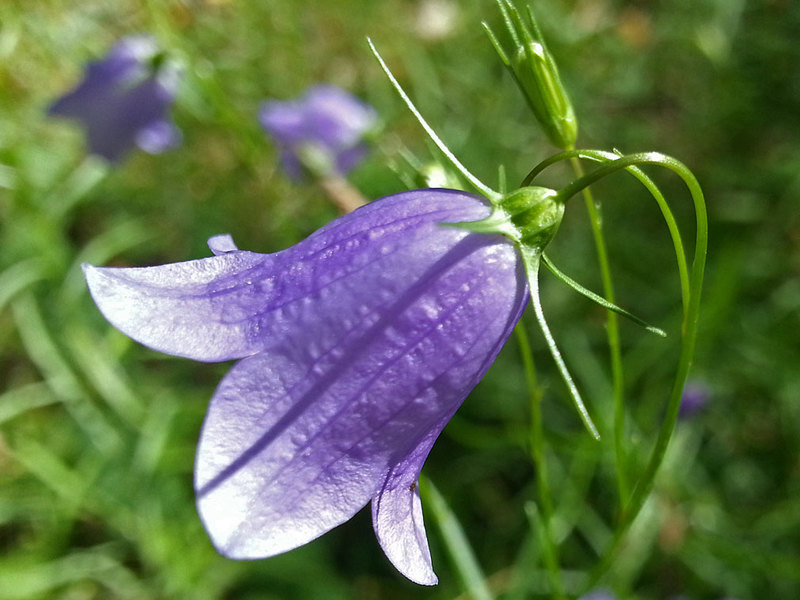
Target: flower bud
x,y
536,74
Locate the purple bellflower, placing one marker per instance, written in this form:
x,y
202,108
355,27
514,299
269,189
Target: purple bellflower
x,y
322,132
356,346
598,595
124,100
694,399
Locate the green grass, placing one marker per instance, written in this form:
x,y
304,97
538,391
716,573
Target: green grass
x,y
97,433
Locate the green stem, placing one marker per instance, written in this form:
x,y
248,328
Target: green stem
x,y
531,260
455,540
474,181
549,546
689,334
612,332
691,286
341,193
666,212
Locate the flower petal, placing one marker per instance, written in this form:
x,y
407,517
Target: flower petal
x,y
233,305
197,309
158,136
397,518
222,244
124,100
336,118
327,123
401,318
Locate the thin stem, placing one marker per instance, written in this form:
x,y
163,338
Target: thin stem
x,y
645,483
474,181
545,512
456,543
691,286
599,299
341,193
531,261
666,212
612,333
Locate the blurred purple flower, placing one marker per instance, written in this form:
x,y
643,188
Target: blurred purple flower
x,y
598,595
323,131
695,398
124,100
357,345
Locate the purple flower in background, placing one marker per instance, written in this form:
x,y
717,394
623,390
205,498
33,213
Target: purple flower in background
x,y
355,348
124,100
694,399
598,595
323,131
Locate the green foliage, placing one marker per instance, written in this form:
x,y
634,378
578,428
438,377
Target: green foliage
x,y
97,433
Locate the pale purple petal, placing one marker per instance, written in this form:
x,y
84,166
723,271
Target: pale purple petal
x,y
335,117
397,517
222,244
402,320
186,309
285,121
238,303
694,399
158,136
123,63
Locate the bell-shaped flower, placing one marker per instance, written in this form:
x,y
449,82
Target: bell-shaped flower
x,y
355,348
322,132
124,100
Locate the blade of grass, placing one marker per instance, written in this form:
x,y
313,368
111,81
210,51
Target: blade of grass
x,y
456,543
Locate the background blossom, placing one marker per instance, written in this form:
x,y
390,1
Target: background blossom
x,y
323,131
124,99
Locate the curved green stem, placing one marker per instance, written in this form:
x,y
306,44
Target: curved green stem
x,y
691,286
666,212
474,181
689,334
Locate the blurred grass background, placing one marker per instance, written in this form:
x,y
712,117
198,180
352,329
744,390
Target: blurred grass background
x,y
97,433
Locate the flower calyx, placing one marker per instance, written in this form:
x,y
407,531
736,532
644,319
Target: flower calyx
x,y
530,216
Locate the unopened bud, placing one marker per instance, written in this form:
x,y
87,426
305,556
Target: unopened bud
x,y
536,74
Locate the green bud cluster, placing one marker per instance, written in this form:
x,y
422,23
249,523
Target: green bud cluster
x,y
537,76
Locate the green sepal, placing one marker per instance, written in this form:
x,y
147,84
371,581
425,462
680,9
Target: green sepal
x,y
535,213
599,299
529,216
496,223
